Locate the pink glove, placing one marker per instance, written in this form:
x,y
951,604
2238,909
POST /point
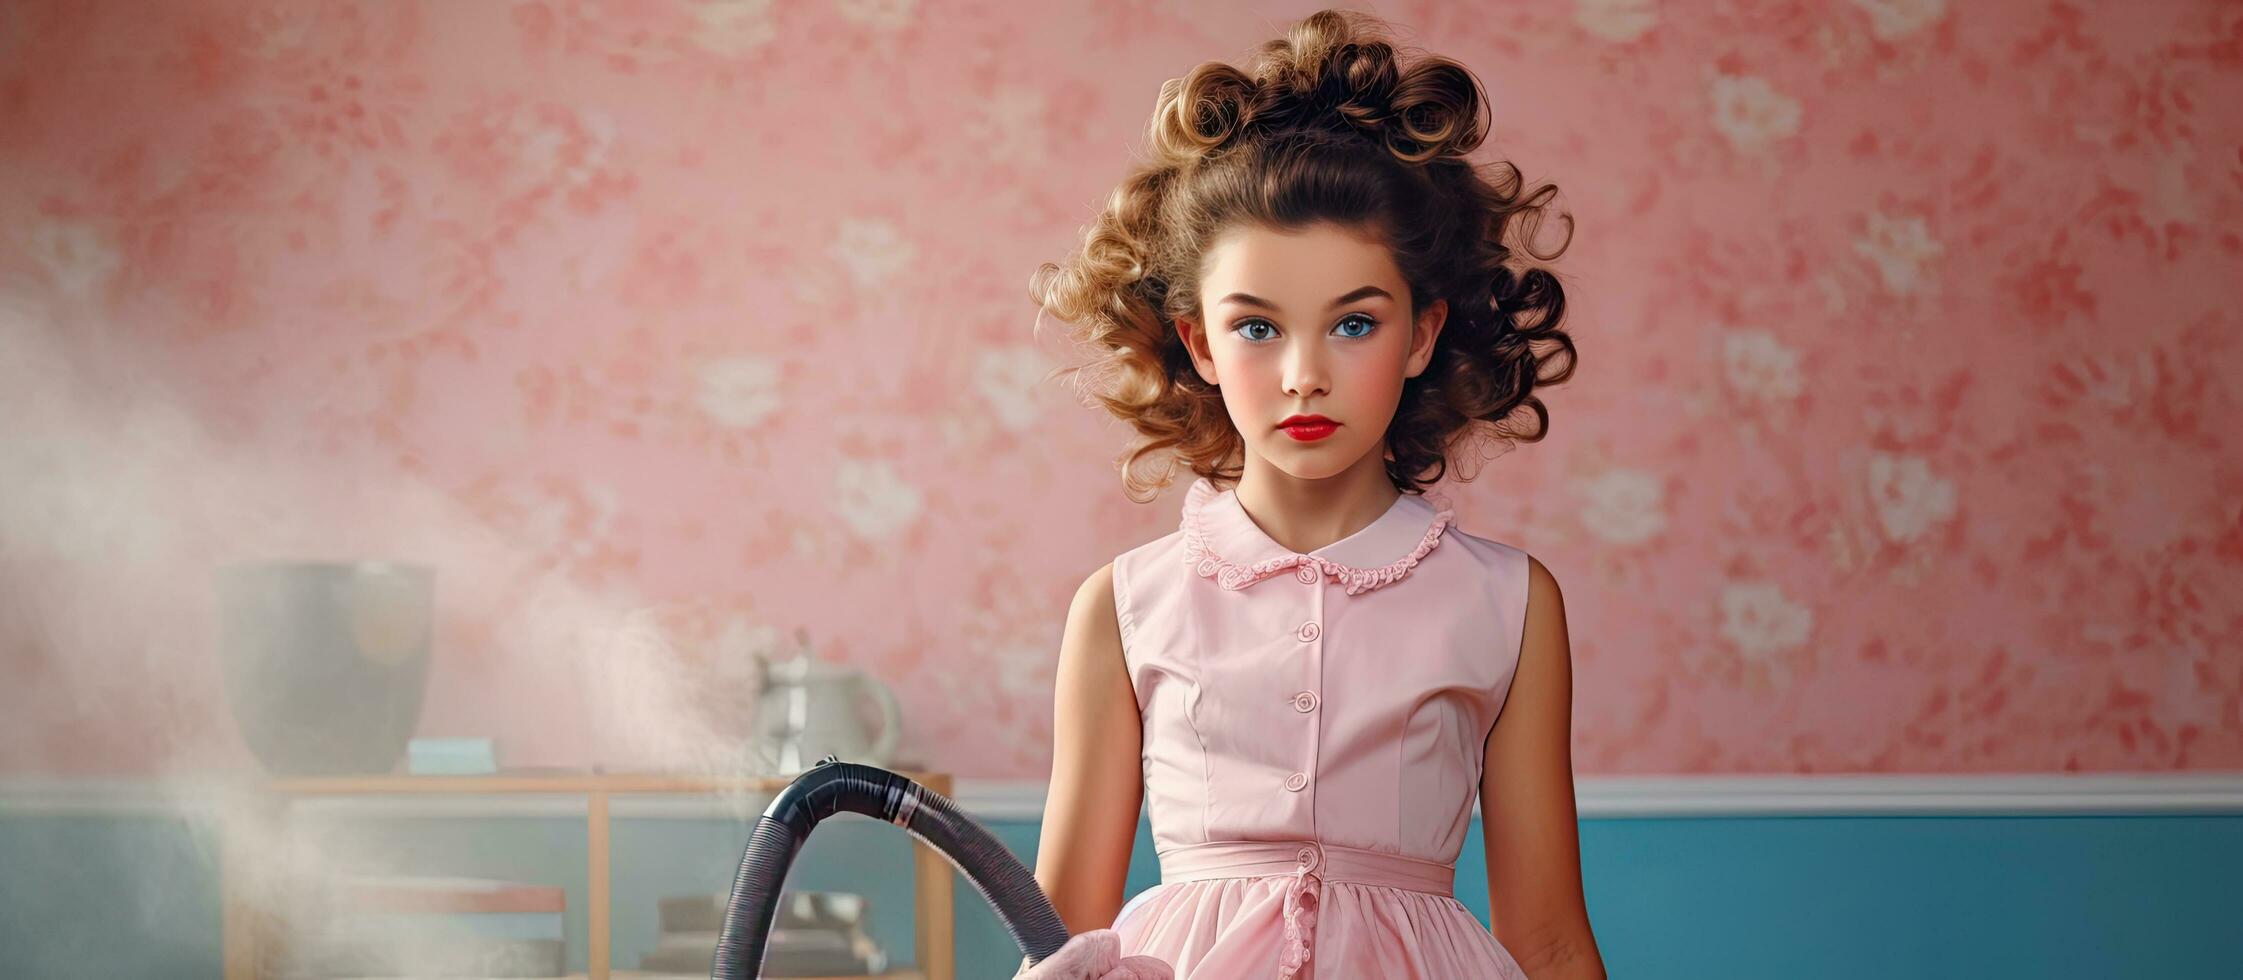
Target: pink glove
x,y
1096,955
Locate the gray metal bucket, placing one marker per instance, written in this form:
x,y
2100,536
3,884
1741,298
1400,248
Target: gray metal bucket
x,y
326,662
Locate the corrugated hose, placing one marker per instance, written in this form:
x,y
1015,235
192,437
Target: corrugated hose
x,y
833,786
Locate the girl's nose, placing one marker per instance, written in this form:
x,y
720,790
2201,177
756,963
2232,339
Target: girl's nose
x,y
1305,373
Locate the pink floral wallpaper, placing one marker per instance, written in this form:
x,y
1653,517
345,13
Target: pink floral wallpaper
x,y
1905,437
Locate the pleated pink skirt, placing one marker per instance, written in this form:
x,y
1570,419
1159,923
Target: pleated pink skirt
x,y
1286,910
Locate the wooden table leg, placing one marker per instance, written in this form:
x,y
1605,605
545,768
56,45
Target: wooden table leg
x,y
244,883
238,931
596,892
934,922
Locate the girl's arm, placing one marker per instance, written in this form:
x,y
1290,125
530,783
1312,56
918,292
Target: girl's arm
x,y
1526,803
1090,817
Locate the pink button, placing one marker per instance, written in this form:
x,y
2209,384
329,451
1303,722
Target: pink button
x,y
1306,573
1304,702
1309,631
1297,781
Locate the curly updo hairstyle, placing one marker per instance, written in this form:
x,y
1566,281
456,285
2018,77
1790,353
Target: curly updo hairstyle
x,y
1326,126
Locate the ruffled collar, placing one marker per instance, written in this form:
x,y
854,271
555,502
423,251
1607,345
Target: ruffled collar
x,y
1223,543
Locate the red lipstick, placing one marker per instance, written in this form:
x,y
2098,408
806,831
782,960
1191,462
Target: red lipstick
x,y
1308,428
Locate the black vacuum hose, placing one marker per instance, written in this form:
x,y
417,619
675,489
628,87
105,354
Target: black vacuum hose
x,y
831,787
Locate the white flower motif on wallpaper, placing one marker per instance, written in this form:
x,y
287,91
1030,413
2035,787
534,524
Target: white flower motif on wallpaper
x,y
1007,378
565,522
1901,249
574,155
1763,623
872,500
1616,20
739,391
1624,506
277,31
885,15
1024,672
575,528
1751,114
520,149
2172,199
1007,124
740,640
734,27
1910,500
1759,368
74,255
2110,380
872,250
1892,20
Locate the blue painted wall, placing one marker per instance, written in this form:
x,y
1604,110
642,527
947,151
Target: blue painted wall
x,y
1734,898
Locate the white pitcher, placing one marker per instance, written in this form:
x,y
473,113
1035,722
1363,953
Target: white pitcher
x,y
808,710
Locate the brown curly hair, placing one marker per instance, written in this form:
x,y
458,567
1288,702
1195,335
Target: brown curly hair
x,y
1326,126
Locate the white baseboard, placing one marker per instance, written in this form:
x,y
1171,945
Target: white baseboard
x,y
1023,800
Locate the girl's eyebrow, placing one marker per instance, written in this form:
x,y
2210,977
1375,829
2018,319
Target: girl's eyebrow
x,y
1363,293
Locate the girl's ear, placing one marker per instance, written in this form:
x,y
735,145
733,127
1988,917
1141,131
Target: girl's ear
x,y
1195,343
1423,333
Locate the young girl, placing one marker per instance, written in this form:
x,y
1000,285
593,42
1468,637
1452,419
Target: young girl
x,y
1310,298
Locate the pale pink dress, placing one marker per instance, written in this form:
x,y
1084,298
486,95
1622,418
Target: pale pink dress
x,y
1314,727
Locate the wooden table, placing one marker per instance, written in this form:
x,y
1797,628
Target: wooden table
x,y
933,940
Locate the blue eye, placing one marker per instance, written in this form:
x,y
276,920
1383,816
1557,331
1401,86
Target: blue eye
x,y
1365,322
1260,330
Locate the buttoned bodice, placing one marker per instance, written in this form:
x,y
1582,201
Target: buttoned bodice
x,y
1342,695
1314,725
